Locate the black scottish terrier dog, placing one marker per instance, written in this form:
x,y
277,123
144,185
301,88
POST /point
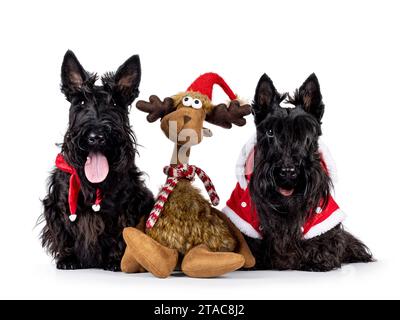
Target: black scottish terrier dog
x,y
290,181
96,181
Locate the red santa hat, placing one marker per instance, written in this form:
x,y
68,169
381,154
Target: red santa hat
x,y
204,85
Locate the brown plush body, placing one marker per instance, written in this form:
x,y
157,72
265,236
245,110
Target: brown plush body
x,y
188,220
189,232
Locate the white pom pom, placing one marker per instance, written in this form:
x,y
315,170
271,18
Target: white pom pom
x,y
96,207
72,217
318,210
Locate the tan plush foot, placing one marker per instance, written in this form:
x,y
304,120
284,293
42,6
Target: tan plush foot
x,y
154,257
200,262
129,263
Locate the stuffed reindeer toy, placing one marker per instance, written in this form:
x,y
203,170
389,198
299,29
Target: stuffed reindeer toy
x,y
183,228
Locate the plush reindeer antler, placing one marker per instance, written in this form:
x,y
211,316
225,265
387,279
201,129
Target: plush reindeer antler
x,y
224,116
156,108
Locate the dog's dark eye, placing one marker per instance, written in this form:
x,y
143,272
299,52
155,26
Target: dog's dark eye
x,y
270,133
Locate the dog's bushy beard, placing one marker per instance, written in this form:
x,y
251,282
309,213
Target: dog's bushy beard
x,y
312,190
120,151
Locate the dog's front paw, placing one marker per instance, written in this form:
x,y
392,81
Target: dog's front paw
x,y
113,266
320,267
68,264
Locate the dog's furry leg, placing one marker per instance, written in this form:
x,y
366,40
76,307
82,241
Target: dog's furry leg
x,y
259,250
55,236
113,261
356,251
117,249
333,248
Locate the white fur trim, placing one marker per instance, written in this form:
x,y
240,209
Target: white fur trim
x,y
328,159
332,221
241,224
72,217
242,100
287,106
241,162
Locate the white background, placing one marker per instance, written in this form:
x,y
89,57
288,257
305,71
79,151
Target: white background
x,y
352,46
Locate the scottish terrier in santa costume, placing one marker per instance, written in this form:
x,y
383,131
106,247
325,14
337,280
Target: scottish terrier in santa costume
x,y
282,202
96,188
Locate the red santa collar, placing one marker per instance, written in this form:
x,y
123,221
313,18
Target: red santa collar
x,y
74,187
241,211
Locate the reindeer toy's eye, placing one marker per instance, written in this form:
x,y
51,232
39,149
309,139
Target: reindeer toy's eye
x,y
197,104
187,101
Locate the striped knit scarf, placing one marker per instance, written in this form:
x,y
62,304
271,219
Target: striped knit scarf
x,y
175,173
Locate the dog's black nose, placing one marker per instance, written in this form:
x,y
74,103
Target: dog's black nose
x,y
288,172
96,139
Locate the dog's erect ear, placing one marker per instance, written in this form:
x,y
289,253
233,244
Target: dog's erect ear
x,y
265,98
73,76
126,81
310,98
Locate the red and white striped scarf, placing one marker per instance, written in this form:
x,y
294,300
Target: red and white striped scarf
x,y
175,173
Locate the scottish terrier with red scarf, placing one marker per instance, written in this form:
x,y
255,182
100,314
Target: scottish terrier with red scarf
x,y
282,202
96,189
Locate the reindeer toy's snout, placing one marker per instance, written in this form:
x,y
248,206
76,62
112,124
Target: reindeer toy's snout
x,y
183,223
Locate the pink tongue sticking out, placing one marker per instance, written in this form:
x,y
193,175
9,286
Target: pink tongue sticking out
x,y
96,167
286,193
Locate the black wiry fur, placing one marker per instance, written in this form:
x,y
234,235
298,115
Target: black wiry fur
x,y
94,240
288,138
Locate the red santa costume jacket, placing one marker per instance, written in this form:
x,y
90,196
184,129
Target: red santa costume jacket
x,y
242,213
